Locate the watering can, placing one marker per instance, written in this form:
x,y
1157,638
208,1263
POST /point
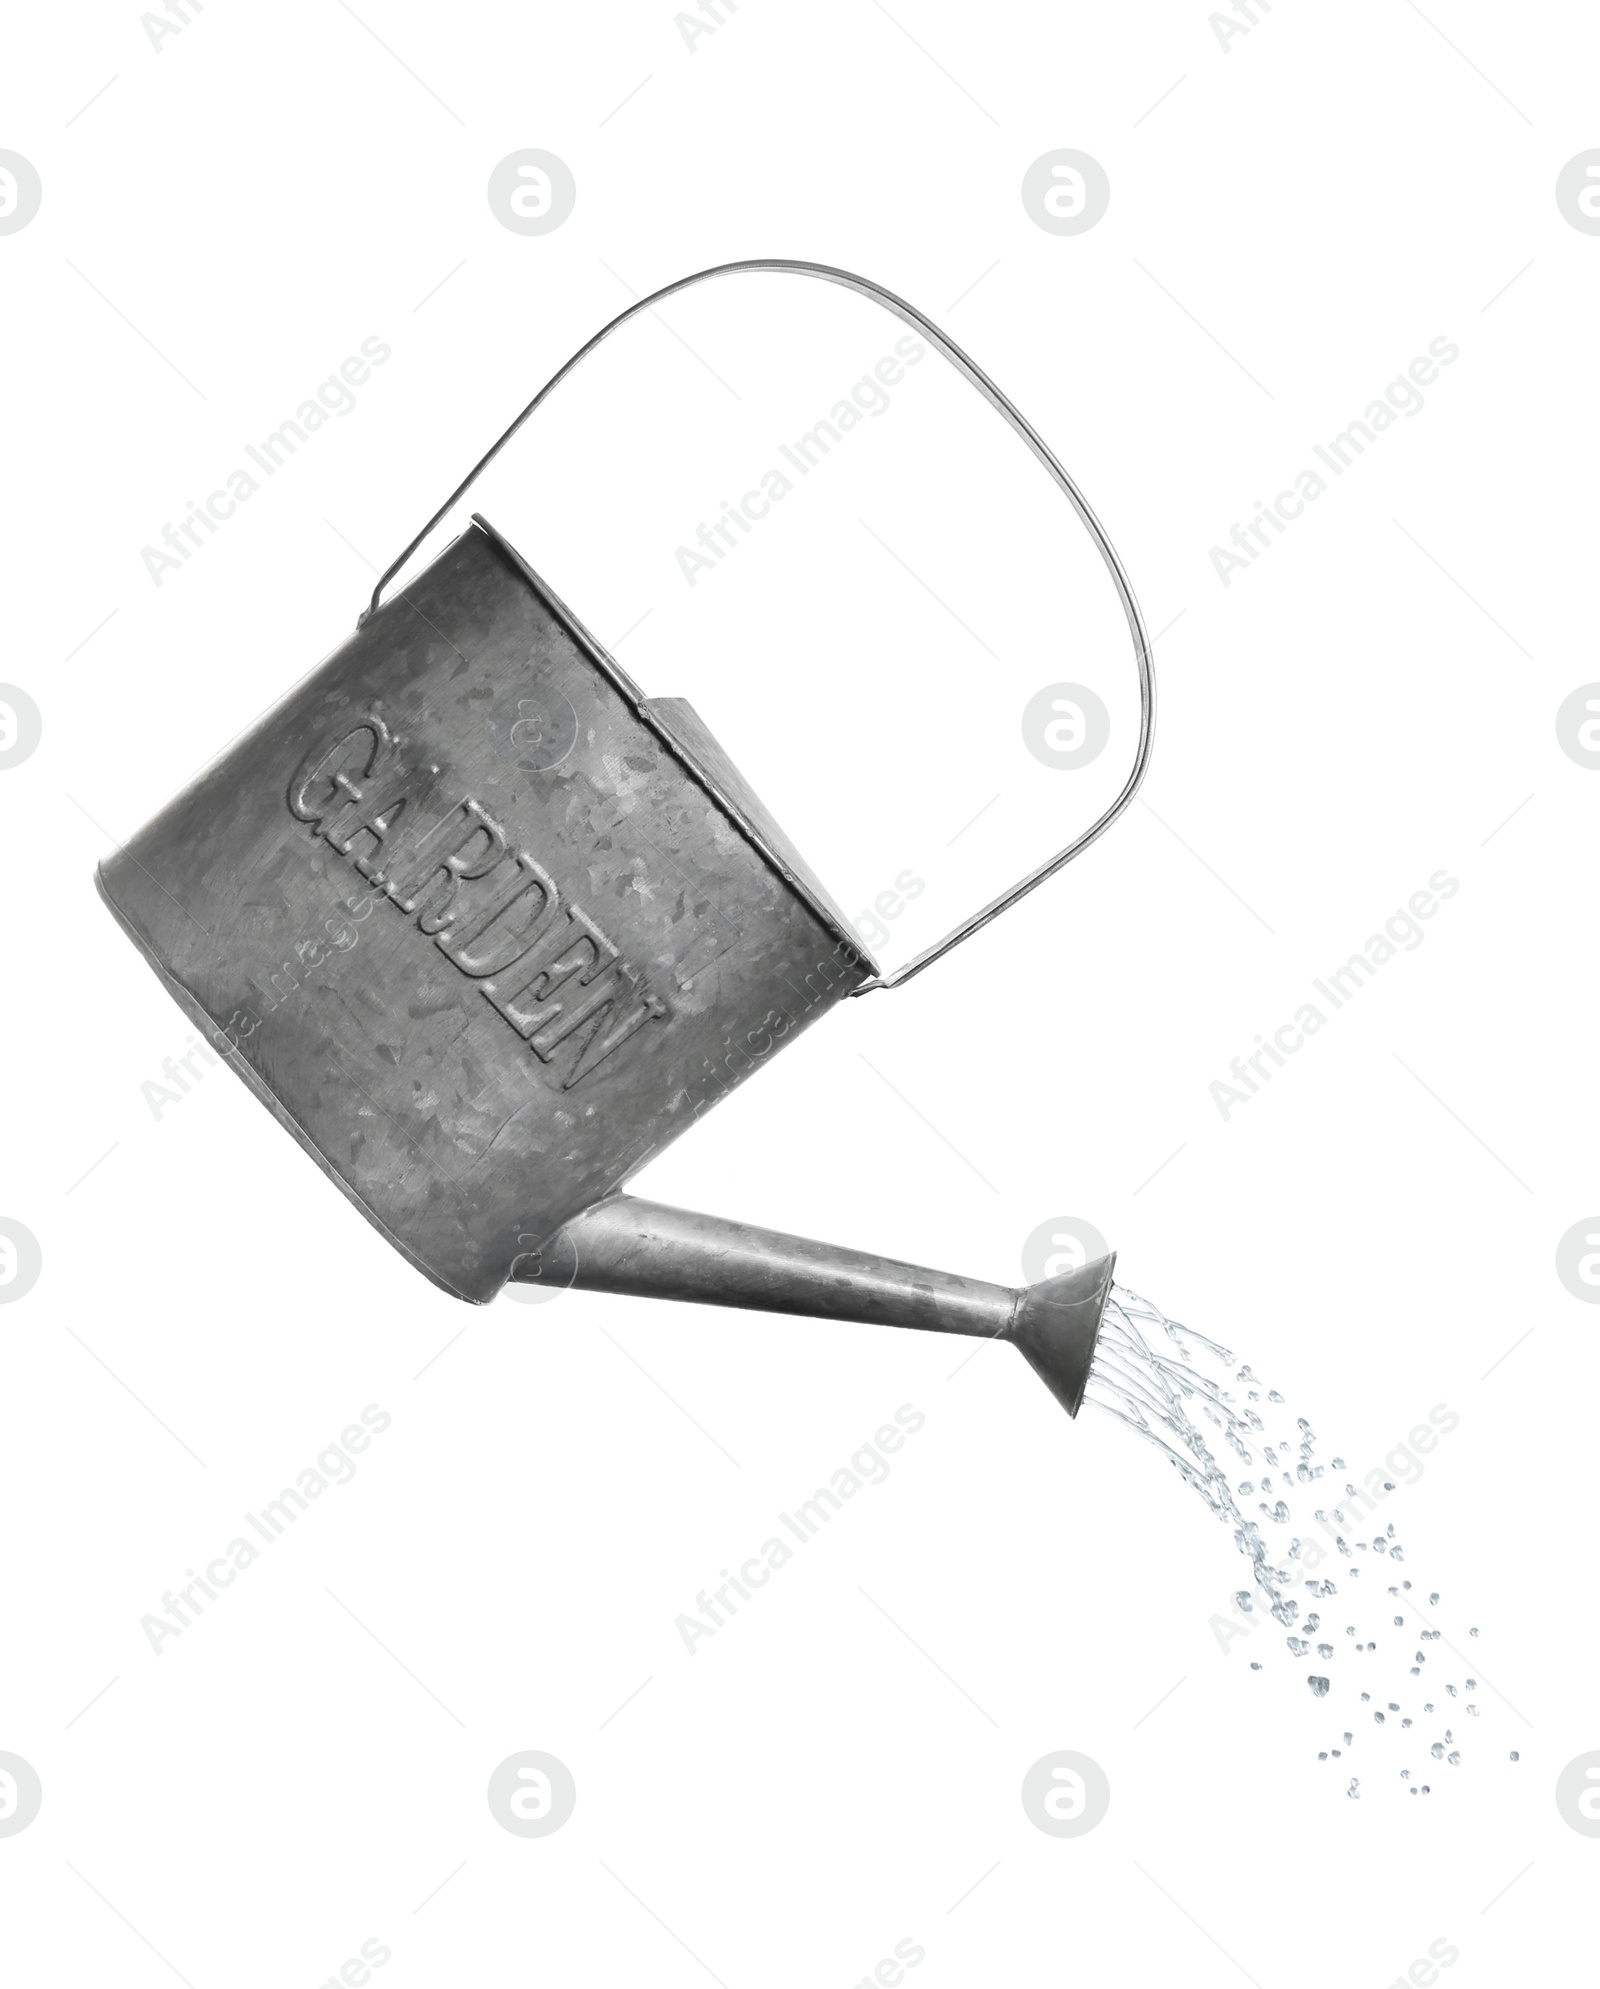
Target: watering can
x,y
485,927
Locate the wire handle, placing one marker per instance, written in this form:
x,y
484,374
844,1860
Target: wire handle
x,y
974,374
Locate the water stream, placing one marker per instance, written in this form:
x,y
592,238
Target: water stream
x,y
1232,1441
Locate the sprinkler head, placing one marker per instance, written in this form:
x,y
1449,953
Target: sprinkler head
x,y
1056,1324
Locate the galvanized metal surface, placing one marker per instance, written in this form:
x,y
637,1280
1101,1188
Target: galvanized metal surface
x,y
481,990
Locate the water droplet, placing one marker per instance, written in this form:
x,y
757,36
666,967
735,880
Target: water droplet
x,y
1515,1755
1354,1790
1437,1750
1472,1685
1379,1718
1242,1599
1399,1622
1254,1666
1319,1687
1324,1650
1454,1759
1273,1395
1473,1711
1338,1464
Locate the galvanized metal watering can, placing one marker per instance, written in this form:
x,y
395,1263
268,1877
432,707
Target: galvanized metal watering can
x,y
485,928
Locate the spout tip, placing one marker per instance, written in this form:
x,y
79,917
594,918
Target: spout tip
x,y
1056,1324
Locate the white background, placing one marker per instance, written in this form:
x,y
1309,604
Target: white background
x,y
1292,220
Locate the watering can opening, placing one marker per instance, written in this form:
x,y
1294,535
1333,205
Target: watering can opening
x,y
486,928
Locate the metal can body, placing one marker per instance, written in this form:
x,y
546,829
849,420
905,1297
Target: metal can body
x,y
485,928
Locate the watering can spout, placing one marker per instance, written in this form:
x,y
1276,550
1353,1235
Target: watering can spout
x,y
647,1250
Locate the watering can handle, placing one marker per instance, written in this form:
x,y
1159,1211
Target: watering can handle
x,y
910,315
